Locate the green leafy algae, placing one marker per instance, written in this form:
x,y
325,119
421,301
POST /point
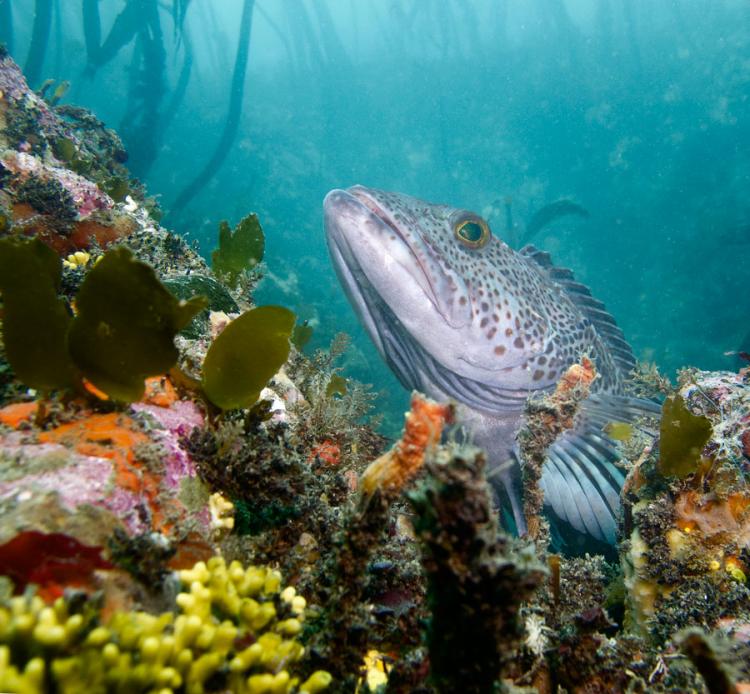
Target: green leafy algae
x,y
301,335
35,319
239,250
245,355
336,386
619,431
126,324
117,188
64,149
683,436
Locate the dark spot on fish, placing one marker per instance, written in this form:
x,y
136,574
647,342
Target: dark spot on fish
x,y
508,332
483,322
538,375
500,349
542,360
491,333
462,301
551,374
518,342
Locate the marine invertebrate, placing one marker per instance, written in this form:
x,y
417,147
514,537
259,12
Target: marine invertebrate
x,y
234,626
87,474
222,513
422,430
710,517
77,260
327,451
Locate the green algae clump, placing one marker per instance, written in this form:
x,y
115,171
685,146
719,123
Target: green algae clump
x,y
239,250
126,323
301,335
682,438
336,386
35,319
246,355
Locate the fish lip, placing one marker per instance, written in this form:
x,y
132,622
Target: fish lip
x,y
360,197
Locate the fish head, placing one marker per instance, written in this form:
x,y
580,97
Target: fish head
x,y
439,277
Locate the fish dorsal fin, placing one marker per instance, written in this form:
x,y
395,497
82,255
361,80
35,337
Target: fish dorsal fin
x,y
590,307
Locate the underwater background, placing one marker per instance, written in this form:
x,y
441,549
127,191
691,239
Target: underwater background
x,y
195,499
637,110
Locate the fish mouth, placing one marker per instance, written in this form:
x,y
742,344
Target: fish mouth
x,y
368,236
343,212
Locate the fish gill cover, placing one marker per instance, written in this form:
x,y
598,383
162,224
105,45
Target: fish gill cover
x,y
608,134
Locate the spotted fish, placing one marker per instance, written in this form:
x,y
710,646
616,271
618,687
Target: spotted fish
x,y
456,313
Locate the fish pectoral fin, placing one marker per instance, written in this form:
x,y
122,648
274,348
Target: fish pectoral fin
x,y
580,480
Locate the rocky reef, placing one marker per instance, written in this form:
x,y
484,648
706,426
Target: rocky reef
x,y
164,473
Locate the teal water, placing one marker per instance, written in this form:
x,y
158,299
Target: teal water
x,y
638,110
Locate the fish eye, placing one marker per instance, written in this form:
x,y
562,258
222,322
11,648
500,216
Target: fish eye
x,y
472,231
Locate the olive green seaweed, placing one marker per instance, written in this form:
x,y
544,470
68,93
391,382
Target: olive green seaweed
x,y
301,335
336,386
64,149
35,319
126,324
245,355
238,251
683,436
117,188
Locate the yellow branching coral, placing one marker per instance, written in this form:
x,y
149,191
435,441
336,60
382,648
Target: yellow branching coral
x,y
234,625
79,260
222,513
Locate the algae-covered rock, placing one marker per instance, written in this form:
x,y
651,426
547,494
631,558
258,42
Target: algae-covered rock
x,y
126,324
477,577
35,320
244,357
239,250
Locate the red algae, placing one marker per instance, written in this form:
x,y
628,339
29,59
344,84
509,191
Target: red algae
x,y
51,561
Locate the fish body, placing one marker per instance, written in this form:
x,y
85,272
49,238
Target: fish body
x,y
456,313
